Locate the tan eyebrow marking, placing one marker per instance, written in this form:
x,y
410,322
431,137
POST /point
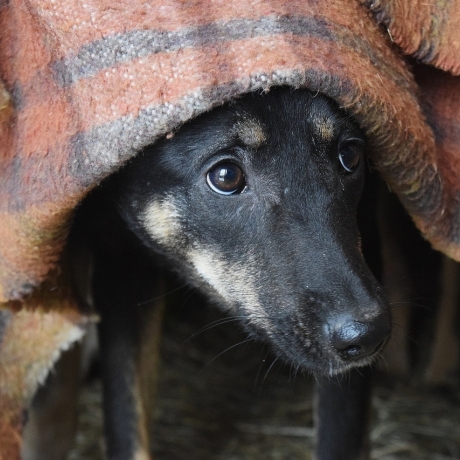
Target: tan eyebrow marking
x,y
251,132
323,127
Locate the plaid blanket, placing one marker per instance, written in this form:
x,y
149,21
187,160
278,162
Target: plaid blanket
x,y
86,85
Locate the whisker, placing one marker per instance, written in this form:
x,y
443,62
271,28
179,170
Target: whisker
x,y
400,334
406,279
382,358
145,302
411,304
187,298
225,351
291,371
414,340
259,371
296,371
401,303
269,369
215,323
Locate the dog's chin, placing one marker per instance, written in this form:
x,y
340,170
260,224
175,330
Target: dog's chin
x,y
344,367
325,363
332,366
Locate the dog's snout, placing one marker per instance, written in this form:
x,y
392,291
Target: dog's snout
x,y
354,340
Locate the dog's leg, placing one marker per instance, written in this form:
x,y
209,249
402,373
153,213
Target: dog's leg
x,y
394,226
124,286
148,356
443,365
342,416
49,433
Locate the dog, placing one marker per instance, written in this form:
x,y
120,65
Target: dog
x,y
255,203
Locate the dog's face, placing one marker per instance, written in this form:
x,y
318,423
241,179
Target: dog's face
x,y
255,203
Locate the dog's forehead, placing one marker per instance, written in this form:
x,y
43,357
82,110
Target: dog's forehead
x,y
290,113
256,120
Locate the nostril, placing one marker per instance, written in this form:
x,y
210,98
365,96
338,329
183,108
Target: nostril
x,y
352,350
347,336
354,339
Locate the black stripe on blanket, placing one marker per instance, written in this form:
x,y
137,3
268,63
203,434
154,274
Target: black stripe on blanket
x,y
120,48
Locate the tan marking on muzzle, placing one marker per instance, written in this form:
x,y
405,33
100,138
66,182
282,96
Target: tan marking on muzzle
x,y
162,220
235,282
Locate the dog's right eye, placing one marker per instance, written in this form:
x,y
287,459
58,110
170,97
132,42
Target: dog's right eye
x,y
350,154
226,179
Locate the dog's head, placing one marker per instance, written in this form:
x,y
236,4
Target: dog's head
x,y
256,202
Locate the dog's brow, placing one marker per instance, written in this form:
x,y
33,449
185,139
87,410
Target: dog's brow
x,y
323,127
251,132
219,142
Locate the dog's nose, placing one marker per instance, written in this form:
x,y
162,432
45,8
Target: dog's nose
x,y
354,340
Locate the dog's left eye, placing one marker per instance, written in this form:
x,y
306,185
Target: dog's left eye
x,y
226,179
350,154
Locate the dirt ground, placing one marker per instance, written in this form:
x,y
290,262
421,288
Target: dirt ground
x,y
241,404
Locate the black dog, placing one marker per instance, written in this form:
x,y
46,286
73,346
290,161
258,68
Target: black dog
x,y
256,204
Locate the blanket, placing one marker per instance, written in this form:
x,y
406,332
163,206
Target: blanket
x,y
86,85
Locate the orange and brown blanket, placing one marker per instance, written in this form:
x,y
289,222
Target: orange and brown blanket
x,y
84,85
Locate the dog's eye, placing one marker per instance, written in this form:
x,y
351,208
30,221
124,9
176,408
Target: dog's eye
x,y
226,178
350,154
